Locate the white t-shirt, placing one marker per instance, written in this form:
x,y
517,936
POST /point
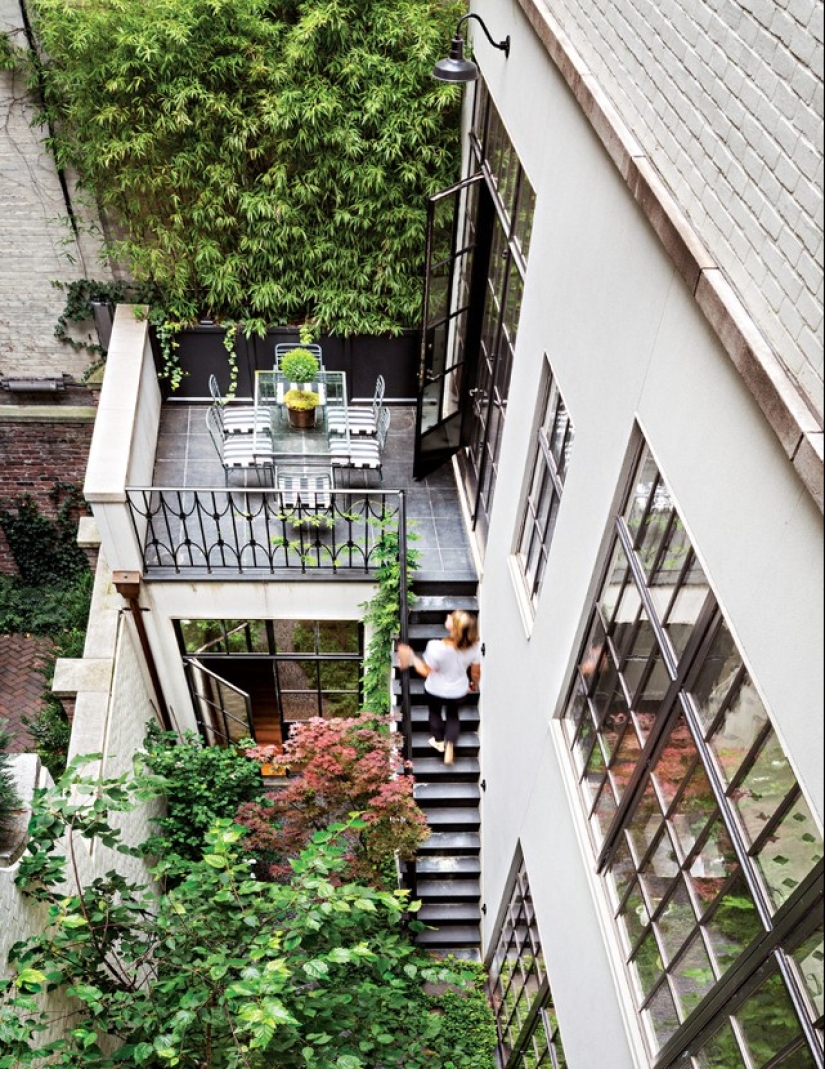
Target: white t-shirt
x,y
448,675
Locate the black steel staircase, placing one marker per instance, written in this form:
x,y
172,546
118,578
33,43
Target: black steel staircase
x,y
447,871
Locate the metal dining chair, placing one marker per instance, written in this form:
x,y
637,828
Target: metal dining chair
x,y
358,419
307,494
366,454
238,452
244,419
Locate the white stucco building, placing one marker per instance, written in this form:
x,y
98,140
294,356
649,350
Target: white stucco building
x,y
623,362
642,455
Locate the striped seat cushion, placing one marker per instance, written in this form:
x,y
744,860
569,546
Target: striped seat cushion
x,y
356,454
238,452
245,420
356,420
305,488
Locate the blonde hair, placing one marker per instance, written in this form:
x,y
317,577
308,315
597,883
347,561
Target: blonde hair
x,y
464,630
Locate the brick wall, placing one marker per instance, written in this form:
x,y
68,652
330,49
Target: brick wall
x,y
37,451
725,96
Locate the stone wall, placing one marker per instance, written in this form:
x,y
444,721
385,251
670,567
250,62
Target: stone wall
x,y
112,708
39,447
726,97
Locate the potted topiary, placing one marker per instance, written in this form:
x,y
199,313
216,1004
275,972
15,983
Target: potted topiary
x,y
300,368
301,405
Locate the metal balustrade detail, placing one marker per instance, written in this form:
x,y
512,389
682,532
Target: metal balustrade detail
x,y
244,531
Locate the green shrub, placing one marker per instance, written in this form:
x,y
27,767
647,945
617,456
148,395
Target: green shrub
x,y
202,784
50,729
265,160
45,609
467,1039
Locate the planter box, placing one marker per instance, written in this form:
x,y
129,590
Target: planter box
x,y
362,357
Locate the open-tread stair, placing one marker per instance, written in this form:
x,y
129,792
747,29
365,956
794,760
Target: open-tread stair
x,y
448,867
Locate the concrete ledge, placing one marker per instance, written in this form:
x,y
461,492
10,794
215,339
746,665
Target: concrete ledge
x,y
88,674
763,372
47,413
88,536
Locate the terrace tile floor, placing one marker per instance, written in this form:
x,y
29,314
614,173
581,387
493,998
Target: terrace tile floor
x,y
186,457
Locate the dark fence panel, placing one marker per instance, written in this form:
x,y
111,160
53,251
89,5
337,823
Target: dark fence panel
x,y
201,353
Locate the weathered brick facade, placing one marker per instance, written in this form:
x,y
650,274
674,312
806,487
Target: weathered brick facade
x,y
40,447
726,98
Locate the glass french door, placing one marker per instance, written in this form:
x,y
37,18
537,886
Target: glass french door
x,y
488,396
457,250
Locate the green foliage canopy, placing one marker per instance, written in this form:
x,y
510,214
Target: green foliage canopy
x,y
265,160
223,971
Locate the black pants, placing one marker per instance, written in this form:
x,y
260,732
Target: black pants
x,y
438,730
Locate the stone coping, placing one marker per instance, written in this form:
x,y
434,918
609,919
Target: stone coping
x,y
772,387
47,413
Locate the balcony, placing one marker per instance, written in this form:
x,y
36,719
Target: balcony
x,y
157,489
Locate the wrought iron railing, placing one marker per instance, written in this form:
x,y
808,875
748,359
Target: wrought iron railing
x,y
239,531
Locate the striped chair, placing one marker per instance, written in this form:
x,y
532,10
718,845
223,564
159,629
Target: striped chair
x,y
358,419
366,454
244,419
236,452
306,495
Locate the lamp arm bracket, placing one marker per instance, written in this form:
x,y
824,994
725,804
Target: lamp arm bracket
x,y
504,45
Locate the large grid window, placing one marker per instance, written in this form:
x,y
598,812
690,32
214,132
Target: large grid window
x,y
528,1031
711,856
548,470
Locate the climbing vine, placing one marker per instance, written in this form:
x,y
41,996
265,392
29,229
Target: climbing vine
x,y
383,614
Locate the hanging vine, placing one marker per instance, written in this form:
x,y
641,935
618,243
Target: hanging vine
x,y
383,615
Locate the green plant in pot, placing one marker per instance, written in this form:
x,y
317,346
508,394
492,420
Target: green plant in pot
x,y
300,368
301,405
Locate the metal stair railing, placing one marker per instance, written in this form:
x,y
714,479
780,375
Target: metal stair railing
x,y
403,635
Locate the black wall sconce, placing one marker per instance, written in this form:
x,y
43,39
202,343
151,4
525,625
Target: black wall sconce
x,y
455,68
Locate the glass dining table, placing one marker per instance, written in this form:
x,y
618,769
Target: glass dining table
x,y
294,448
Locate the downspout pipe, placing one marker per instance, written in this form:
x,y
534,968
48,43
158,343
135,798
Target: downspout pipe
x,y
127,584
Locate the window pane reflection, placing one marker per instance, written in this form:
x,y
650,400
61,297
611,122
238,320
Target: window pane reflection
x,y
714,833
809,958
520,995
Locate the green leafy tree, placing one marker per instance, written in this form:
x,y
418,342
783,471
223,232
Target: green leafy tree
x,y
221,972
265,160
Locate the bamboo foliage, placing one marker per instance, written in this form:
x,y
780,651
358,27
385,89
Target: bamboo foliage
x,y
265,160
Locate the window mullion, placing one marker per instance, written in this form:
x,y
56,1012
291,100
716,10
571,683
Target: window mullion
x,y
527,1028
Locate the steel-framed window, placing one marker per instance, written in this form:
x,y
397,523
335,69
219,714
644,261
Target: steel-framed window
x,y
548,470
711,857
528,1031
316,663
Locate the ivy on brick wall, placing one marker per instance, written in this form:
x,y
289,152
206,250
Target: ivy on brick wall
x,y
50,597
44,549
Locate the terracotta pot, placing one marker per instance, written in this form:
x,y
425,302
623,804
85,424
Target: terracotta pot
x,y
302,418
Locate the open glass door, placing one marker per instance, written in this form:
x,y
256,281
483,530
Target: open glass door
x,y
222,710
456,243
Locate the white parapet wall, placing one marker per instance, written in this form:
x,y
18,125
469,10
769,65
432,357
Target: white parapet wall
x,y
125,436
